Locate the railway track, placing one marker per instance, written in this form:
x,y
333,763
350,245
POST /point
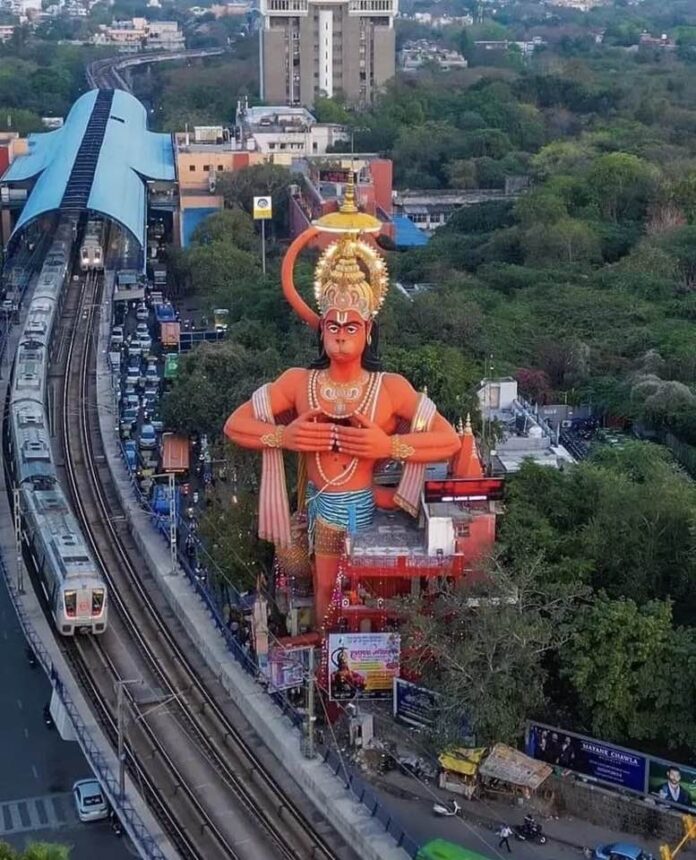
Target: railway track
x,y
216,791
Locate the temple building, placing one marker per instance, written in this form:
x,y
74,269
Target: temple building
x,y
400,555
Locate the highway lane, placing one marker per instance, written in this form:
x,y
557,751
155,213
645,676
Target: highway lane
x,y
38,768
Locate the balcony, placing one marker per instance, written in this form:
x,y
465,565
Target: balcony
x,y
284,7
372,7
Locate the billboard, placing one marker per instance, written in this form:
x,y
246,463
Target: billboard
x,y
363,665
604,762
414,705
287,667
673,783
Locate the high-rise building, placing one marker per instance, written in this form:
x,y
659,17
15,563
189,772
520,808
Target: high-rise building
x,y
326,47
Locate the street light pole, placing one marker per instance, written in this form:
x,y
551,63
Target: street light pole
x,y
263,246
172,522
310,752
17,493
120,722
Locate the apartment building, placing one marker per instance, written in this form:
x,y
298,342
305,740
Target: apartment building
x,y
311,48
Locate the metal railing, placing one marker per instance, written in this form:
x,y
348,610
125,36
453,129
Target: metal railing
x,y
128,815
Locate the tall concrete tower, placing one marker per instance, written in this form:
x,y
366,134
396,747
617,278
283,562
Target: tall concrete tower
x,y
326,47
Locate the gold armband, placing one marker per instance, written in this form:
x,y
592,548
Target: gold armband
x,y
399,449
274,439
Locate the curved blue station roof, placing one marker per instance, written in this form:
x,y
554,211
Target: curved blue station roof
x,y
99,160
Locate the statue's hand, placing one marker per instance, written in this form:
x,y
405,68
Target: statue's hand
x,y
306,434
368,441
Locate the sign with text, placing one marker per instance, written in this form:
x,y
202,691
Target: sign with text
x,y
604,762
263,208
414,705
363,665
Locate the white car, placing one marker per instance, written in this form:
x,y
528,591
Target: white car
x,y
117,335
141,330
90,801
142,313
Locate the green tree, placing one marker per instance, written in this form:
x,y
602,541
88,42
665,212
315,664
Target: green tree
x,y
634,674
233,226
483,649
241,186
35,851
622,184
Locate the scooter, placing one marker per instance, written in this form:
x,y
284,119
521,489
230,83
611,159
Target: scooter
x,y
31,658
48,719
443,811
116,825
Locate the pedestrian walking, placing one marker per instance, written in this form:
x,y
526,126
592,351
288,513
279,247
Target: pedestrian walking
x,y
505,833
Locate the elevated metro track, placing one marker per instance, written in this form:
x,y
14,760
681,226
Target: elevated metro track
x,y
106,74
216,790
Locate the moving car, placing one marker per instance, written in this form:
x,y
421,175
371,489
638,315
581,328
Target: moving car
x,y
141,330
90,801
620,851
142,313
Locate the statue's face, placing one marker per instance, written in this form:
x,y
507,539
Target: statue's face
x,y
344,335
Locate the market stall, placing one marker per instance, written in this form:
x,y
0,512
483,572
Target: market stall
x,y
509,772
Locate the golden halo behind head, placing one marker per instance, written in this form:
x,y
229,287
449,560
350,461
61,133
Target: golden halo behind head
x,y
348,219
351,275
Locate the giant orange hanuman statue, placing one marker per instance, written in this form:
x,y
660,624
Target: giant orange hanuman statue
x,y
346,410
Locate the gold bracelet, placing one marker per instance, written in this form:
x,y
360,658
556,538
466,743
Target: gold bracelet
x,y
274,439
399,449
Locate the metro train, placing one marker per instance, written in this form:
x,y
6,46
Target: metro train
x,y
74,586
92,248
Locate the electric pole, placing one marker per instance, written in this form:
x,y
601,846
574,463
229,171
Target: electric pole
x,y
17,493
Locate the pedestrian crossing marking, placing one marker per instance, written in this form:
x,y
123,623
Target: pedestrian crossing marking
x,y
47,812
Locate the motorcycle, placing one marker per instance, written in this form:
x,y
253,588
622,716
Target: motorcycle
x,y
48,719
443,811
530,831
31,658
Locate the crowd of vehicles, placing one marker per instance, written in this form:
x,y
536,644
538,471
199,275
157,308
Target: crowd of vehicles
x,y
73,585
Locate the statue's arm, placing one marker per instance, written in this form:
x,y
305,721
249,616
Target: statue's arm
x,y
438,443
246,430
305,434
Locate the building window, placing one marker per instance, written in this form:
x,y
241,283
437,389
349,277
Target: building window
x,y
192,168
220,168
206,168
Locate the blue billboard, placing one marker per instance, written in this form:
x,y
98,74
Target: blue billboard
x,y
414,705
606,763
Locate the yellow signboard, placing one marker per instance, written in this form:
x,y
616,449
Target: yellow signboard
x,y
263,208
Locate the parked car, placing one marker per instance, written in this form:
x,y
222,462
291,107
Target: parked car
x,y
133,373
90,801
129,418
131,452
620,851
117,336
148,437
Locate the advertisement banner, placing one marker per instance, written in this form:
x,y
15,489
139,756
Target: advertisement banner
x,y
287,667
362,665
263,208
672,783
604,762
414,705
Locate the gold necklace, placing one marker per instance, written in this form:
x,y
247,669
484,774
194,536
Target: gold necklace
x,y
369,381
351,468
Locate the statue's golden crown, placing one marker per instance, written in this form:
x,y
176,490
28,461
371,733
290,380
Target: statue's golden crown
x,y
351,275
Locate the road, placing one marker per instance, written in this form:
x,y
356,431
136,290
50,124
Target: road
x,y
423,825
38,768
